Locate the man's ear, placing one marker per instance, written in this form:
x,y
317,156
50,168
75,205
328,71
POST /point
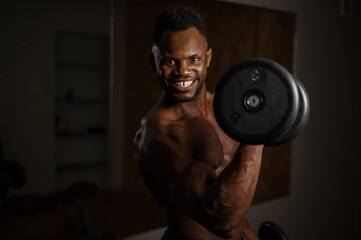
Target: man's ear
x,y
209,56
151,58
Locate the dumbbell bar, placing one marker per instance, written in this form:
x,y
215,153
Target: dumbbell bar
x,y
257,101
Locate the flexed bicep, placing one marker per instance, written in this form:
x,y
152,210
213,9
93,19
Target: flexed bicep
x,y
169,168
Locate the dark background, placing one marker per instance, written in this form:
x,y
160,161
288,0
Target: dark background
x,y
324,199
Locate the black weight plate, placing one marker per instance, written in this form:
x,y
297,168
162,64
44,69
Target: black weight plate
x,y
301,119
255,101
271,231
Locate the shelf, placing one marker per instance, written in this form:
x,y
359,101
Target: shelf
x,y
80,166
82,67
80,134
83,101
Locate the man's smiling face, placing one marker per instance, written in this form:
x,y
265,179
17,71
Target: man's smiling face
x,y
181,60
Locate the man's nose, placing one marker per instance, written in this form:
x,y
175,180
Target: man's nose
x,y
184,69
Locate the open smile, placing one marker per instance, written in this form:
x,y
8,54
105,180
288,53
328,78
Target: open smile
x,y
182,86
184,83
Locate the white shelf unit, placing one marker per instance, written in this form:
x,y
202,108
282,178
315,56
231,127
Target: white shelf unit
x,y
82,109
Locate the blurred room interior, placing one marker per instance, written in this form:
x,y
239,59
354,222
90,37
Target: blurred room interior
x,y
75,82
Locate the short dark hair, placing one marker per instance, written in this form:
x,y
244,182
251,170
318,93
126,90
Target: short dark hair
x,y
178,19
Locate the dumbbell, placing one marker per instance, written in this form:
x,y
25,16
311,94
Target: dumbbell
x,y
257,101
271,231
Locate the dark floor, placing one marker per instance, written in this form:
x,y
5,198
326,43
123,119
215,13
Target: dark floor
x,y
115,213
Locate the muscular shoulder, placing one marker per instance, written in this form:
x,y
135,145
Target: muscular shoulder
x,y
161,145
157,130
178,142
182,131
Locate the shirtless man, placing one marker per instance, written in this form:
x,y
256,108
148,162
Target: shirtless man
x,y
203,179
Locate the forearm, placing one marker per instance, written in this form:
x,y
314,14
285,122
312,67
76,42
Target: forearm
x,y
239,178
233,190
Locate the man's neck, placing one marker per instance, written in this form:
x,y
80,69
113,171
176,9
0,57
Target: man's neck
x,y
198,104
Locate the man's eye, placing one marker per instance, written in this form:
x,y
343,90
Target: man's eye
x,y
194,60
169,61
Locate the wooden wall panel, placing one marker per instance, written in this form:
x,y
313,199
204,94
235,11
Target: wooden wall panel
x,y
275,32
235,32
276,36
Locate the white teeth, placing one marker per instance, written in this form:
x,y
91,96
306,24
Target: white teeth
x,y
184,84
